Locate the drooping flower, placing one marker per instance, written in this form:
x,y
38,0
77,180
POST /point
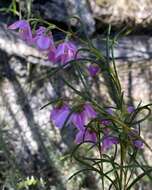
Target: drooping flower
x,y
51,54
24,30
138,144
130,109
85,135
133,135
89,112
40,31
93,69
78,119
109,111
42,40
105,122
59,115
65,52
108,142
82,117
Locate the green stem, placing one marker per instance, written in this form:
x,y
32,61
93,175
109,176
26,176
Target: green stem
x,y
100,153
121,163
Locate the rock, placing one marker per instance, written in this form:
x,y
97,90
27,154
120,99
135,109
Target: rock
x,y
115,12
93,13
118,12
129,48
61,11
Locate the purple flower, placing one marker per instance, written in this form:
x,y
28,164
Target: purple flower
x,y
65,52
130,109
51,54
108,142
105,122
93,69
133,135
43,41
40,31
89,112
110,111
82,118
59,115
85,135
78,120
24,30
138,144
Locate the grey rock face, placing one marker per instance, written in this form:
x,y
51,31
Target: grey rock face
x,y
61,11
117,12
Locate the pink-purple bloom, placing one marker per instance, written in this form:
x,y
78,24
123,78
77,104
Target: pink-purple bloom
x,y
65,52
89,112
59,115
109,111
133,135
24,30
51,54
130,109
105,122
80,119
93,69
85,135
42,40
108,142
138,144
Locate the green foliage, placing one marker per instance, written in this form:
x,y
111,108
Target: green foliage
x,y
31,182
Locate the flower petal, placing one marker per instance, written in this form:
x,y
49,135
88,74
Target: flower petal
x,y
60,115
93,69
130,109
138,144
18,24
78,120
65,52
108,141
85,135
89,112
43,42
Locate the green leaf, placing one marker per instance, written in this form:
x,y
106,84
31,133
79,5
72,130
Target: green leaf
x,y
138,178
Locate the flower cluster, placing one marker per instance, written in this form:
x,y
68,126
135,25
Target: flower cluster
x,y
82,119
62,53
42,39
62,114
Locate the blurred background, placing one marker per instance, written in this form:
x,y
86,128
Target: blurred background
x,y
29,143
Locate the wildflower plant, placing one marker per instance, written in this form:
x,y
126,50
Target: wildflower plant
x,y
110,133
